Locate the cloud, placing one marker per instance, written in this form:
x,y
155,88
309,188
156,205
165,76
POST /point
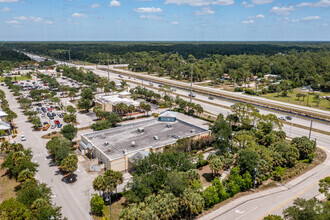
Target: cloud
x,y
21,18
295,20
257,16
49,22
148,10
12,22
114,3
8,1
205,11
311,18
5,9
79,15
151,17
261,2
248,21
200,2
322,3
175,22
95,5
119,21
247,5
285,10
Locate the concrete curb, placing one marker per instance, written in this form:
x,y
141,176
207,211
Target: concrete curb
x,y
239,201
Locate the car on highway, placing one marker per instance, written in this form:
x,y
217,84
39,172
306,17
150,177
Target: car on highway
x,y
151,84
282,118
288,117
192,94
211,98
23,138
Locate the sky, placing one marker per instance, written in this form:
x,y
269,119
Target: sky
x,y
164,20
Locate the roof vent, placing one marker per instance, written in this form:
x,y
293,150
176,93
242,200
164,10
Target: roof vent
x,y
124,151
106,143
192,131
168,125
133,143
155,137
108,150
140,130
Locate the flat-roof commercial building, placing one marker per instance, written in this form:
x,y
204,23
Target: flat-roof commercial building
x,y
117,148
108,102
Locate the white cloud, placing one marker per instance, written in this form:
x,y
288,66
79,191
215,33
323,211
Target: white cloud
x,y
5,9
95,5
114,3
311,18
20,18
325,24
257,16
200,2
49,22
119,21
12,22
261,2
205,11
151,17
35,19
175,22
8,1
148,10
295,20
285,10
248,21
247,5
322,3
79,15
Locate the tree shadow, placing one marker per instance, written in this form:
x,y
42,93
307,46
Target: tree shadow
x,y
208,177
70,178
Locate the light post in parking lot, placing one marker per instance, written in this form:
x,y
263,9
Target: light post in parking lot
x,y
108,67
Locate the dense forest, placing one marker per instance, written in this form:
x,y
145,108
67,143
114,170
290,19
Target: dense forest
x,y
10,58
296,63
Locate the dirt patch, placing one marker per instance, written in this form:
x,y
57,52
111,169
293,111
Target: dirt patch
x,y
7,185
51,135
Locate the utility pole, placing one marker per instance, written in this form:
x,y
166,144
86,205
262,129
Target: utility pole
x,y
191,78
310,130
108,67
255,176
69,58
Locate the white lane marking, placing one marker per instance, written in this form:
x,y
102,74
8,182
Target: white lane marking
x,y
239,212
246,213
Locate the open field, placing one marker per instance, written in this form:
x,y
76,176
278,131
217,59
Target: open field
x,y
16,78
292,98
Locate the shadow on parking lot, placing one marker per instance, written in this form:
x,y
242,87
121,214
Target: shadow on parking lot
x,y
70,178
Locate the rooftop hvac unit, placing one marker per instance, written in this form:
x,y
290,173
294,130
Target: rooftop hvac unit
x,y
108,150
168,125
140,130
155,137
124,151
133,143
192,131
106,143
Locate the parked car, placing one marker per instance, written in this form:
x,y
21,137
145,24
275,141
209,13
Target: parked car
x,y
60,115
57,122
59,125
23,138
53,126
43,115
46,127
49,114
38,110
53,114
45,123
51,118
43,109
49,109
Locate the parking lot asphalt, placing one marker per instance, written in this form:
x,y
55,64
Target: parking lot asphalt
x,y
74,197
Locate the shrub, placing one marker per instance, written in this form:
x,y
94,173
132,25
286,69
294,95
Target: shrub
x,y
238,89
97,205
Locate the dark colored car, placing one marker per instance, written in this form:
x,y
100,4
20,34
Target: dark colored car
x,y
49,114
60,115
45,122
59,125
51,118
43,109
211,98
53,114
288,117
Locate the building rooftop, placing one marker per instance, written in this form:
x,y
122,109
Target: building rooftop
x,y
134,137
116,99
170,114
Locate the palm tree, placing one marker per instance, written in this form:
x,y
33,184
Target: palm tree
x,y
147,108
99,184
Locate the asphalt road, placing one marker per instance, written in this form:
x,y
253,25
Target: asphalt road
x,y
74,197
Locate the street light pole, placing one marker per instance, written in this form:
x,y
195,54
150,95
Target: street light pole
x,y
191,78
108,66
310,130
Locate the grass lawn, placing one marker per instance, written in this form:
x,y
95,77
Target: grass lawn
x,y
116,208
291,98
16,78
7,185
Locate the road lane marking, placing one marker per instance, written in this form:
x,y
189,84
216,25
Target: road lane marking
x,y
246,213
289,200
